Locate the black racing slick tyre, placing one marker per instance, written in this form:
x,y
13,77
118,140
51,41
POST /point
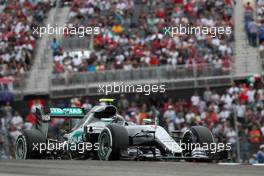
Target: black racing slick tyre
x,y
197,135
112,141
28,145
202,134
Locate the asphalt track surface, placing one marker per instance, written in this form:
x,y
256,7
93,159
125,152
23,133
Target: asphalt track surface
x,y
123,168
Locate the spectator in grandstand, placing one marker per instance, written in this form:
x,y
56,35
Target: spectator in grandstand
x,y
36,104
248,14
87,105
133,108
170,117
262,126
123,102
215,97
247,30
142,114
16,124
207,94
260,11
91,68
226,65
30,120
227,99
240,110
248,8
58,67
261,50
56,47
224,114
231,139
75,102
261,32
244,148
195,99
253,159
260,154
217,66
251,94
255,137
154,114
234,89
211,118
7,109
253,30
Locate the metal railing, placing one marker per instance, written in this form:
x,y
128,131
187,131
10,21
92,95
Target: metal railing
x,y
76,42
161,73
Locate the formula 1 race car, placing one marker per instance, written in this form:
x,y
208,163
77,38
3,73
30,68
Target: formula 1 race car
x,y
103,134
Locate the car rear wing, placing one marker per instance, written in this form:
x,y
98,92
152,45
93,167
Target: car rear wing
x,y
45,114
64,112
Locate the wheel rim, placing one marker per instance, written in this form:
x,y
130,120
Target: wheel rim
x,y
188,139
20,149
104,146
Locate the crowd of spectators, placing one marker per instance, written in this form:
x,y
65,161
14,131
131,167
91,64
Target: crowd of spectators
x,y
260,19
17,41
11,122
217,111
251,24
254,25
132,34
214,110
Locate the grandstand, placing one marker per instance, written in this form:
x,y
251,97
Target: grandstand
x,y
18,42
114,54
132,48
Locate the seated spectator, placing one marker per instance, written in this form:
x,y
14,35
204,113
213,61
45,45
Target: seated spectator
x,y
17,39
16,124
255,134
253,159
260,154
31,118
91,68
129,43
261,50
170,118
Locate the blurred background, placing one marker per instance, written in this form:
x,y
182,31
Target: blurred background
x,y
216,82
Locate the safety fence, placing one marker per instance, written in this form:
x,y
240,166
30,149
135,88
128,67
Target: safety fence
x,y
162,72
173,77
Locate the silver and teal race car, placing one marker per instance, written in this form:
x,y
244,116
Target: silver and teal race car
x,y
103,134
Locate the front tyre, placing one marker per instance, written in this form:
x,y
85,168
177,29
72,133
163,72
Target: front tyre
x,y
197,136
28,145
112,140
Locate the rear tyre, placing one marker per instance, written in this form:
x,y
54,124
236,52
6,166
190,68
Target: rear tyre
x,y
112,140
28,145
